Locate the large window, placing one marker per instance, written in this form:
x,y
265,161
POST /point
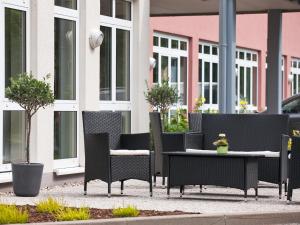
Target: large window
x,y
66,84
246,76
115,57
14,59
295,71
171,54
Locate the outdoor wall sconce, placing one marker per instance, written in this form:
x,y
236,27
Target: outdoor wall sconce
x,y
96,38
152,62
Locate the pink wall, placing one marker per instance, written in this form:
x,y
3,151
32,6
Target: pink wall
x,y
251,34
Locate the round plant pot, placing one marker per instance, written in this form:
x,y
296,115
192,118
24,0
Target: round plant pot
x,y
27,178
222,150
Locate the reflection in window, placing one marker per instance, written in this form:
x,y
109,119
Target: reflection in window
x,y
183,80
15,43
105,65
71,4
65,59
14,136
123,9
164,68
106,7
65,135
155,69
123,65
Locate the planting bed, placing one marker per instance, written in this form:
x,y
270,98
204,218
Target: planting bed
x,y
35,217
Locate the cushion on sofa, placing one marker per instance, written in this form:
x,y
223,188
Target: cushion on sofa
x,y
129,152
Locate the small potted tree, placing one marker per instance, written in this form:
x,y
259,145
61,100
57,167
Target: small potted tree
x,y
31,94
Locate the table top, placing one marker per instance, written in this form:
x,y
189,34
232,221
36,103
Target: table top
x,y
230,154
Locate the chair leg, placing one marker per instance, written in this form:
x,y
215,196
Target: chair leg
x,y
85,187
181,191
150,186
122,186
280,190
285,188
245,195
154,180
256,193
109,190
290,193
201,187
163,181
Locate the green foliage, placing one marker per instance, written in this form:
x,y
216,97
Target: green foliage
x,y
10,214
129,211
199,102
50,205
70,214
178,122
31,94
161,97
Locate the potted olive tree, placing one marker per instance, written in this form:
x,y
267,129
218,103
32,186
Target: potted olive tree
x,y
31,94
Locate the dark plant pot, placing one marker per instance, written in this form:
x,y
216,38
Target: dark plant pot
x,y
27,179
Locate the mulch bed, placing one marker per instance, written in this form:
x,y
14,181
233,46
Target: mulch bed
x,y
36,217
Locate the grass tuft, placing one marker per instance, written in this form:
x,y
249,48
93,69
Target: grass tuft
x,y
11,214
69,214
50,205
129,211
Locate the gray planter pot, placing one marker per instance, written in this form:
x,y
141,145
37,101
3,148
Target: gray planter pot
x,y
27,178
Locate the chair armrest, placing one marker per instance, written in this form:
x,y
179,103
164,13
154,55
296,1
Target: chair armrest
x,y
139,141
173,142
284,157
194,140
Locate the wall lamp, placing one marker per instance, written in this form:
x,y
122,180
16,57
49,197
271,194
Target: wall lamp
x,y
96,38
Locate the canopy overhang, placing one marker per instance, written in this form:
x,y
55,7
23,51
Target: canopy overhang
x,y
211,7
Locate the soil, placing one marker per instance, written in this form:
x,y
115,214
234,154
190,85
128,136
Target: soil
x,y
36,217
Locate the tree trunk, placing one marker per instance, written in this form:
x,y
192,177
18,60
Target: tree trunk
x,y
28,131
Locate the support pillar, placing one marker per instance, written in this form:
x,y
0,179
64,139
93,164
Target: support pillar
x,y
274,78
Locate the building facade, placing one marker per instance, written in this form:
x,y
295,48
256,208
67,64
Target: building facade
x,y
52,37
197,37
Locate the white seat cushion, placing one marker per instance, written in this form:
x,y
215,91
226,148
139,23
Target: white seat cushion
x,y
129,152
267,154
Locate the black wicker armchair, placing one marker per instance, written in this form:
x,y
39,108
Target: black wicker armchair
x,y
111,156
294,168
169,142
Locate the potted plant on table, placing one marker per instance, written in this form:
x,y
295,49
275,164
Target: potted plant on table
x,y
222,144
31,94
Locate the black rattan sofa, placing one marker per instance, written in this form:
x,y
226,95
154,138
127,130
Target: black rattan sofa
x,y
112,156
250,132
167,142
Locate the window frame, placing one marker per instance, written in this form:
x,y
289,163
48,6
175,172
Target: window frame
x,y
295,71
69,105
172,53
5,104
114,24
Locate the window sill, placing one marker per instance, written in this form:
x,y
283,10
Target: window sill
x,y
69,171
5,177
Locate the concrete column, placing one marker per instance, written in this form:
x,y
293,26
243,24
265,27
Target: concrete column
x,y
274,78
42,63
140,65
230,59
222,54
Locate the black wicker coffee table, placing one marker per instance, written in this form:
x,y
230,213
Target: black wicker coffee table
x,y
231,170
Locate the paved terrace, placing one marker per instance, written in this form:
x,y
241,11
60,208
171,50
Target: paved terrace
x,y
213,199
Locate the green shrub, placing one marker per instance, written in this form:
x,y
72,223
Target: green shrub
x,y
11,214
69,214
50,205
178,122
129,211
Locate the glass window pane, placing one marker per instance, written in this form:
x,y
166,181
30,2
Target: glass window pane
x,y
206,49
248,88
174,44
65,135
215,50
242,81
106,7
164,68
155,41
295,84
183,80
242,55
105,65
200,48
215,94
71,4
122,65
14,136
183,45
155,69
215,72
126,122
15,43
174,70
254,57
123,9
206,93
164,42
206,71
295,64
200,70
65,59
255,88
248,56
299,65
